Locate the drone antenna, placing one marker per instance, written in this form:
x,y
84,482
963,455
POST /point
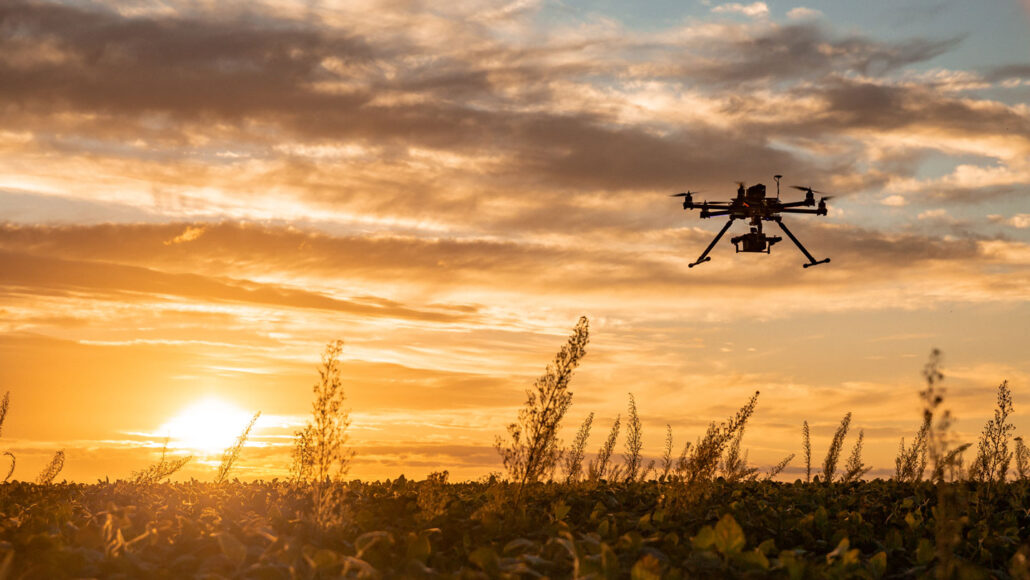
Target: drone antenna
x,y
777,178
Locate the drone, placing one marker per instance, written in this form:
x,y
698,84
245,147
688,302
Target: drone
x,y
752,204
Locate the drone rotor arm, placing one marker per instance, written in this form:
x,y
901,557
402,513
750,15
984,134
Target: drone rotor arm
x,y
717,213
809,211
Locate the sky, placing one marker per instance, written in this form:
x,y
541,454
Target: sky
x,y
197,196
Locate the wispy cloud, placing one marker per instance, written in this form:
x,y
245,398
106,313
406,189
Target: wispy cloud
x,y
1019,220
188,235
802,12
755,9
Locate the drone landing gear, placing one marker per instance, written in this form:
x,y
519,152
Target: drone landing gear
x,y
704,255
811,261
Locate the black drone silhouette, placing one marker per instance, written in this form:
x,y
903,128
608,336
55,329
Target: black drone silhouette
x,y
752,204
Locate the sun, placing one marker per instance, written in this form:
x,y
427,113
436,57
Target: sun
x,y
206,427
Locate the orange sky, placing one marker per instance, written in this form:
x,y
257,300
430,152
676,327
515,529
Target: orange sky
x,y
194,200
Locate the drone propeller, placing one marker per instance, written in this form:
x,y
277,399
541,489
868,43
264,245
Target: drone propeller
x,y
806,189
687,194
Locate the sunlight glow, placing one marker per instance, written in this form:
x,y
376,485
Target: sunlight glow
x,y
206,427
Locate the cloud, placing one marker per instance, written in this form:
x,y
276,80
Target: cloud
x,y
894,200
126,283
805,50
753,10
174,64
513,9
188,235
1019,220
348,123
938,215
527,110
803,13
127,261
1009,72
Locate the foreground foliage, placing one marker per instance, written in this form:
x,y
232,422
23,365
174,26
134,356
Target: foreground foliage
x,y
434,529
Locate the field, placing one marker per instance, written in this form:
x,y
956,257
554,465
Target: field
x,y
557,514
868,529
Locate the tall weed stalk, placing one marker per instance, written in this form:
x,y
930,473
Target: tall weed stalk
x,y
320,450
910,464
734,466
163,469
779,467
598,467
855,469
704,460
806,443
231,454
534,448
667,455
833,453
634,441
49,473
320,453
1022,460
992,455
5,404
573,460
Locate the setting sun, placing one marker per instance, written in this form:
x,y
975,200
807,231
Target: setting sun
x,y
206,427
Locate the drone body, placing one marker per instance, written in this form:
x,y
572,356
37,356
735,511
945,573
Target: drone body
x,y
752,204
